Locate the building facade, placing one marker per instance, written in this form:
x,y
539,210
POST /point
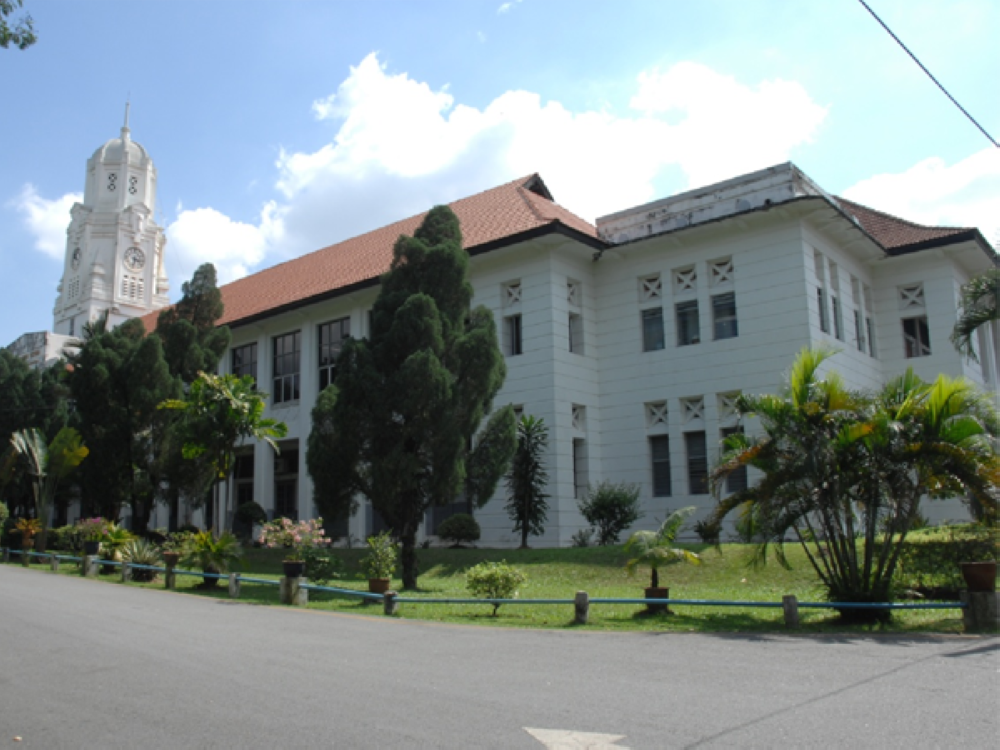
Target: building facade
x,y
631,338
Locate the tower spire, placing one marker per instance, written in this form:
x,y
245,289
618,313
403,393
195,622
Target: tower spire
x,y
125,130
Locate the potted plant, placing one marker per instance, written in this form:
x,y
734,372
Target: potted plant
x,y
90,530
28,528
653,548
214,555
173,547
114,539
380,562
296,537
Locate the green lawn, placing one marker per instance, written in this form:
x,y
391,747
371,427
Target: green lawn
x,y
560,573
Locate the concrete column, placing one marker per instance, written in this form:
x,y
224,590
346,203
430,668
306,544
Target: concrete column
x,y
90,565
791,606
234,585
581,608
389,602
982,610
291,592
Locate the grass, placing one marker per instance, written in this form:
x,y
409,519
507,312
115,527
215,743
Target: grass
x,y
560,573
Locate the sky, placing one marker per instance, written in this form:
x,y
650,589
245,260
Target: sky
x,y
278,128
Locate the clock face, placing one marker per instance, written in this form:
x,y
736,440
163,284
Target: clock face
x,y
134,259
75,261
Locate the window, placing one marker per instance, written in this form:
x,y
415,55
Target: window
x,y
579,468
331,341
652,330
286,367
737,480
575,333
688,327
724,316
243,488
859,331
579,417
512,344
659,451
697,460
573,292
916,337
286,481
838,327
824,321
245,361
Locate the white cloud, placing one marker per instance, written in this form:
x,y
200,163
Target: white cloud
x,y
47,220
932,192
506,7
235,248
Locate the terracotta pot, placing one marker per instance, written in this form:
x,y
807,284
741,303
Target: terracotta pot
x,y
659,592
378,585
171,559
980,576
293,568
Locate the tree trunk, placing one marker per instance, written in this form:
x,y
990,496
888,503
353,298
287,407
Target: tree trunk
x,y
408,556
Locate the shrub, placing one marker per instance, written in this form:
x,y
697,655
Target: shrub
x,y
611,507
142,552
459,528
322,566
297,536
930,557
383,554
494,580
251,514
188,528
583,538
4,513
214,556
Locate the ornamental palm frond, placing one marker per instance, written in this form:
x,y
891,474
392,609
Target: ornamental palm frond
x,y
979,305
653,548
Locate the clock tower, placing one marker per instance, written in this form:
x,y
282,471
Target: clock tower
x,y
114,248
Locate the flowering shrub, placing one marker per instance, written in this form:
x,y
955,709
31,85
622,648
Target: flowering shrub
x,y
298,536
91,529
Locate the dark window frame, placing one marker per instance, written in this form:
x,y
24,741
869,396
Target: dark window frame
x,y
659,459
688,323
287,373
725,326
330,348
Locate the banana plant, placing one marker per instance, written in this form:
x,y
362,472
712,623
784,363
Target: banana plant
x,y
48,465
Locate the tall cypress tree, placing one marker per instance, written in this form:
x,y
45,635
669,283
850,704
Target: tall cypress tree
x,y
191,341
399,426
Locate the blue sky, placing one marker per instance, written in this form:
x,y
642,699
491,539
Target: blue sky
x,y
280,127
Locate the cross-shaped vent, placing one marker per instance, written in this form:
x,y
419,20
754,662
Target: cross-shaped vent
x,y
721,272
512,293
656,414
693,408
650,287
685,280
911,296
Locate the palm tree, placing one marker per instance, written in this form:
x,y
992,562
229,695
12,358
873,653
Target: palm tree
x,y
527,478
654,548
843,473
980,305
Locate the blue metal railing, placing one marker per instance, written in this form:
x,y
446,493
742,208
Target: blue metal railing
x,y
366,595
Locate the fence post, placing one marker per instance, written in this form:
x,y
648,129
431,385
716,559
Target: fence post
x,y
234,585
389,604
791,606
25,557
291,592
126,572
54,563
6,555
581,608
90,566
981,611
170,579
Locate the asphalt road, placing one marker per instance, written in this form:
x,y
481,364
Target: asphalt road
x,y
86,664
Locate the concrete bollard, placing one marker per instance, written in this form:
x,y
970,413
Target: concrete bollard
x,y
389,604
982,610
90,566
54,563
126,572
170,578
234,585
791,606
291,592
581,608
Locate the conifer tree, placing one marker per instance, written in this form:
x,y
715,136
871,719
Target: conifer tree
x,y
399,425
526,504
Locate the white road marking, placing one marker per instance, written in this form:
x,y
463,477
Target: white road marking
x,y
565,739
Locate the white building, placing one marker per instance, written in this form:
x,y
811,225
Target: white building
x,y
114,260
631,338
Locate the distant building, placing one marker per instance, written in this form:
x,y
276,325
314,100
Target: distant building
x,y
114,260
630,339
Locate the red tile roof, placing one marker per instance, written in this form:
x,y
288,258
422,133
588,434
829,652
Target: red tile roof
x,y
493,215
893,233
